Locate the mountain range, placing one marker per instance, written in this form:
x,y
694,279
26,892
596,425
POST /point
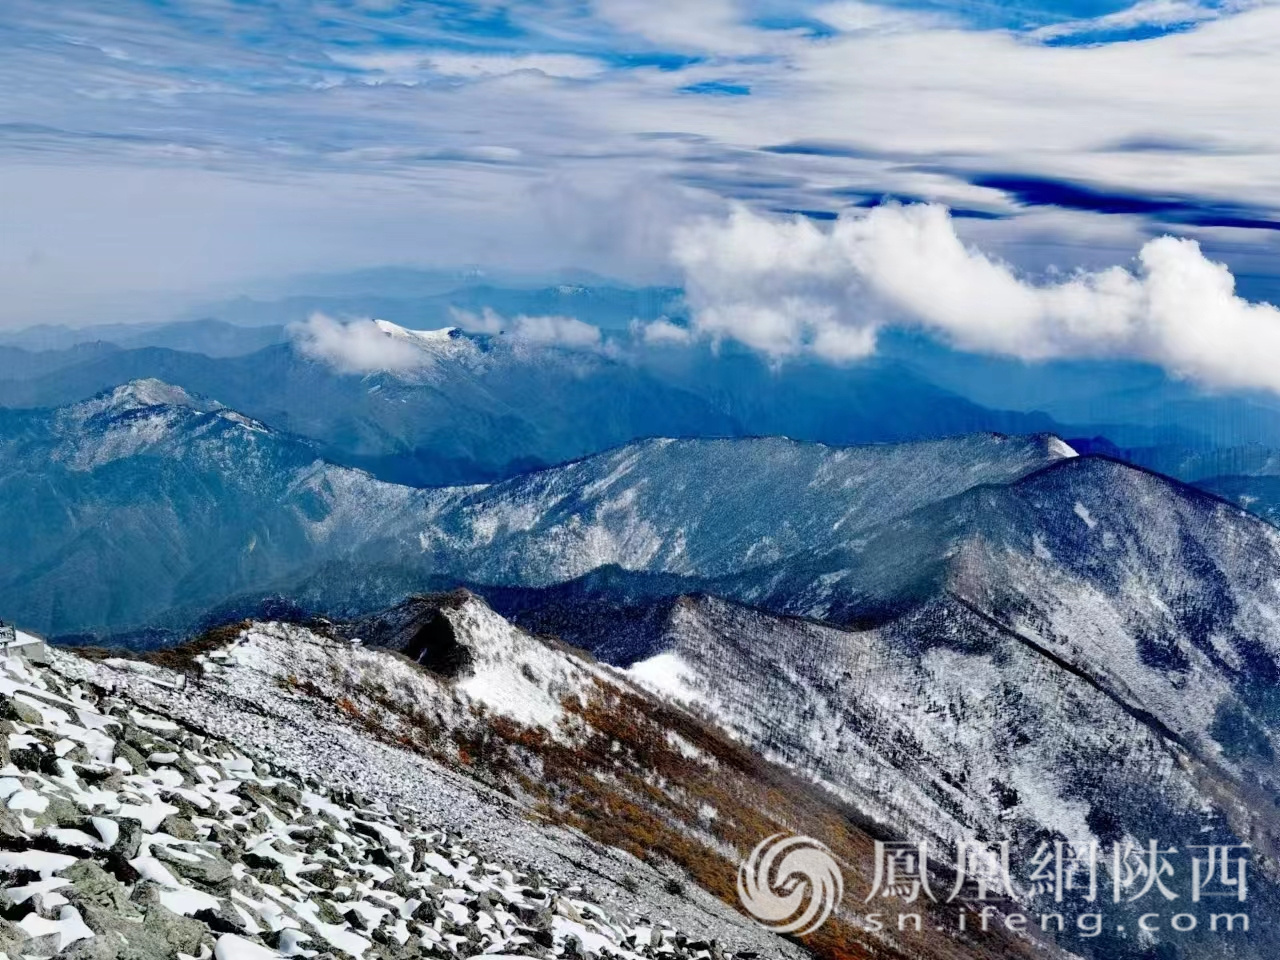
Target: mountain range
x,y
156,503
490,407
516,406
186,503
598,584
739,724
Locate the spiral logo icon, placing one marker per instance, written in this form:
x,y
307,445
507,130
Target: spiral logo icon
x,y
790,883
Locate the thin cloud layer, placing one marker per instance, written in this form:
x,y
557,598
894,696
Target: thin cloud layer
x,y
787,286
364,346
556,331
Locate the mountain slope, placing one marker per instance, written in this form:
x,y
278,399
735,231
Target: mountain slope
x,y
1090,652
1164,597
935,727
155,821
712,507
518,748
1086,589
1259,494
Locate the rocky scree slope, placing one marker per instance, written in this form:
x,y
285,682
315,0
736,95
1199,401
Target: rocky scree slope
x,y
127,834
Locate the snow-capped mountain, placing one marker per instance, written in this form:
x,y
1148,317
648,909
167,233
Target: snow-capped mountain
x,y
147,417
1163,597
475,751
949,725
457,408
1089,653
999,639
679,515
707,508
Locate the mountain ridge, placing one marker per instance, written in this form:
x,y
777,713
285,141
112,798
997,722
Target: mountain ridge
x,y
278,506
506,749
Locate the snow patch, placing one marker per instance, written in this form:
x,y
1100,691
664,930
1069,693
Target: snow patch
x,y
1083,513
668,675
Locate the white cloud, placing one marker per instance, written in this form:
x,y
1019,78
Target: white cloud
x,y
788,286
560,331
563,65
661,332
704,25
546,330
854,16
291,161
780,286
355,346
487,320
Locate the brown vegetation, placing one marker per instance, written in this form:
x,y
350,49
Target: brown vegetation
x,y
642,776
180,658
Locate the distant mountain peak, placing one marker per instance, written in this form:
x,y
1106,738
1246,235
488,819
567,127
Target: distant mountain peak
x,y
408,356
442,335
137,416
149,393
141,394
1059,448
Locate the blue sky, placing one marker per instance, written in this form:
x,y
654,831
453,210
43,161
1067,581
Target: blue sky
x,y
155,151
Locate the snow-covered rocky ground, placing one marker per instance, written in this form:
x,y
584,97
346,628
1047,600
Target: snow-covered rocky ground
x,y
143,815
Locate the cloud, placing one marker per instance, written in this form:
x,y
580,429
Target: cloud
x,y
1069,195
354,346
487,321
558,331
567,66
853,16
706,25
414,67
789,287
545,330
661,332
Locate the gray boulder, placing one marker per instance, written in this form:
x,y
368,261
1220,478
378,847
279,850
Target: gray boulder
x,y
207,870
91,886
182,934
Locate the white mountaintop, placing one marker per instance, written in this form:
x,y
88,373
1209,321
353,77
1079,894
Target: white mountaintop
x,y
421,336
140,394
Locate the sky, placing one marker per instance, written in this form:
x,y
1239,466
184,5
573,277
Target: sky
x,y
155,151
